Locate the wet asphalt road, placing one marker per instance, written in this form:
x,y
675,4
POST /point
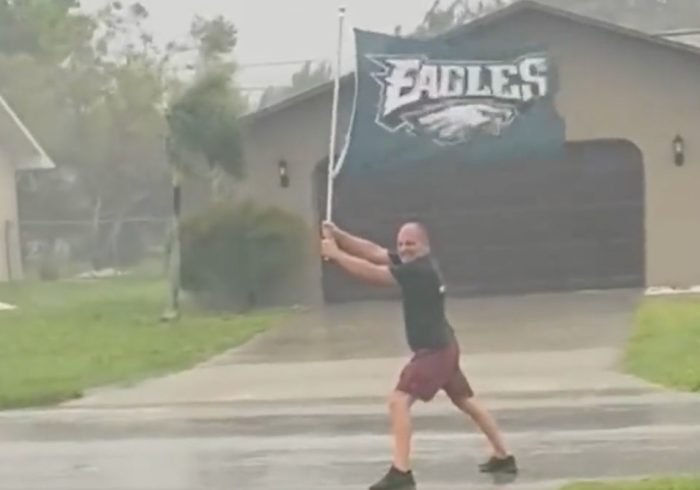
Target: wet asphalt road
x,y
339,448
245,422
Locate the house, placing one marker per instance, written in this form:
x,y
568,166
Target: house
x,y
19,152
685,36
618,210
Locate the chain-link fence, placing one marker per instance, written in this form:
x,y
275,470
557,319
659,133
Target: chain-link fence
x,y
52,249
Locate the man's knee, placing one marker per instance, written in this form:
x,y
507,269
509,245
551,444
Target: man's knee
x,y
459,391
399,402
474,409
465,402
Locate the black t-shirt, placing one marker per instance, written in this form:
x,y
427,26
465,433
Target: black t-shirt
x,y
423,294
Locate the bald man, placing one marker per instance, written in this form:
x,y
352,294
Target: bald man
x,y
435,362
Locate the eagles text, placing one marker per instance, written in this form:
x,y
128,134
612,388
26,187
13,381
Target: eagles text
x,y
409,81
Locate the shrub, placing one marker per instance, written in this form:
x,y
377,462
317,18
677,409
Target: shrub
x,y
240,255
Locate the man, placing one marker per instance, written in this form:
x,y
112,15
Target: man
x,y
435,363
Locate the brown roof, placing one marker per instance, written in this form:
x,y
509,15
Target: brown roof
x,y
512,9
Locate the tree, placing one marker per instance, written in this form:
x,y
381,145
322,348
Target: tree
x,y
94,89
115,94
204,121
203,117
439,19
48,30
95,102
307,77
203,125
215,39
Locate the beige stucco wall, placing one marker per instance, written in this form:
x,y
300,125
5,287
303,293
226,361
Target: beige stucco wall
x,y
8,212
299,137
611,86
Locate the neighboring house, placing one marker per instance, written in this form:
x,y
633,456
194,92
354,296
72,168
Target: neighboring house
x,y
618,211
685,36
19,152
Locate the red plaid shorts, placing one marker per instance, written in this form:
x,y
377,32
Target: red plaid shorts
x,y
430,371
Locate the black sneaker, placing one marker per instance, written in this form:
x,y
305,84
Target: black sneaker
x,y
499,465
395,480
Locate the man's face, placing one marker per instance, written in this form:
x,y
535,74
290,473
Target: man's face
x,y
411,243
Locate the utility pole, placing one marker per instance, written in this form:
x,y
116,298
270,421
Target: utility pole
x,y
172,310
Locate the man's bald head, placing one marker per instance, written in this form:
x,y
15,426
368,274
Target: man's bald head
x,y
419,228
413,241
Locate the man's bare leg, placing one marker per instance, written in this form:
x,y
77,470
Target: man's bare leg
x,y
400,413
400,476
486,423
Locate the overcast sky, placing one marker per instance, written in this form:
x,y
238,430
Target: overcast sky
x,y
274,30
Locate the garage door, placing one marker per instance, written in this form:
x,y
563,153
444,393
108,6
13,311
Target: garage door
x,y
510,227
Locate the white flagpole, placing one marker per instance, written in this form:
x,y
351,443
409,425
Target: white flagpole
x,y
44,161
334,120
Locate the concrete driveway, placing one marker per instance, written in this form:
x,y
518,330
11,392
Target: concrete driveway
x,y
551,322
512,346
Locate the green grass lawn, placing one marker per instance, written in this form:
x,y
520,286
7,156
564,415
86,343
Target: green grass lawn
x,y
687,483
69,336
664,347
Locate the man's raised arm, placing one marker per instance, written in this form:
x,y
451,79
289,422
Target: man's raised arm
x,y
379,275
359,247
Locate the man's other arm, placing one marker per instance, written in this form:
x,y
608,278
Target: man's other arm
x,y
365,270
359,247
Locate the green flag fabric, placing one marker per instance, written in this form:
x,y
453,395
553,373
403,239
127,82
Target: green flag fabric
x,y
469,101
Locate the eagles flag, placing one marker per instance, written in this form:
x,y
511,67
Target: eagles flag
x,y
453,100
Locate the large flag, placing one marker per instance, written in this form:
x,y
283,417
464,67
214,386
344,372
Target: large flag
x,y
467,101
